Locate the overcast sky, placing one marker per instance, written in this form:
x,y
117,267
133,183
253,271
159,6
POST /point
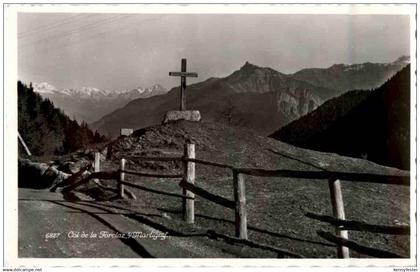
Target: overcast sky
x,y
123,51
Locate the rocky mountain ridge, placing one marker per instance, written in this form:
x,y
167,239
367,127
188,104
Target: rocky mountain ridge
x,y
253,97
346,77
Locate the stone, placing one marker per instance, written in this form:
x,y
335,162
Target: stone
x,y
38,175
165,215
66,167
188,115
73,167
54,176
126,131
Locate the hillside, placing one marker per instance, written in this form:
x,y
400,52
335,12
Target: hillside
x,y
239,98
277,207
46,129
89,104
374,125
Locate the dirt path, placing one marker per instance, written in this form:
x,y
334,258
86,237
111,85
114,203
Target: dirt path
x,y
42,212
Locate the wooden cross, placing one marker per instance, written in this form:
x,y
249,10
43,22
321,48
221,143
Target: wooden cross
x,y
183,74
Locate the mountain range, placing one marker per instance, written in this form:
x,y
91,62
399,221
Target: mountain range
x,y
253,97
343,77
372,125
89,104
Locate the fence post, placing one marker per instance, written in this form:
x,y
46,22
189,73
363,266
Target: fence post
x,y
122,177
97,165
338,212
189,177
240,205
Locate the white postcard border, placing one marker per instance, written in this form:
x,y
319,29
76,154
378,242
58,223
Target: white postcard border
x,y
10,126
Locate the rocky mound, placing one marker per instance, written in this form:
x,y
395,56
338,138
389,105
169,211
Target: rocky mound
x,y
234,146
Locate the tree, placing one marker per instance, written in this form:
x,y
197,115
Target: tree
x,y
46,129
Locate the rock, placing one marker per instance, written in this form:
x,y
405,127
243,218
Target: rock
x,y
165,215
190,115
104,153
53,176
36,169
79,165
66,167
38,175
73,167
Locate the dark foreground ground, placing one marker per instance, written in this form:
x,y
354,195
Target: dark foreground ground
x,y
69,219
277,207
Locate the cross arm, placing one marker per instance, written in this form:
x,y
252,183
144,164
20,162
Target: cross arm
x,y
183,74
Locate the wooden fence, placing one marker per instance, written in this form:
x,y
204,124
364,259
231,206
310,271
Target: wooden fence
x,y
190,189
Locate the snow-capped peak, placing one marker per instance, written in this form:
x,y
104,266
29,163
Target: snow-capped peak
x,y
152,90
44,88
354,67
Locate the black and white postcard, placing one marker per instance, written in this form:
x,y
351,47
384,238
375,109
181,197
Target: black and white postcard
x,y
244,135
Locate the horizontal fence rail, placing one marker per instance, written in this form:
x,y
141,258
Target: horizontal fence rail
x,y
95,175
327,175
142,174
209,163
207,195
153,190
403,179
165,159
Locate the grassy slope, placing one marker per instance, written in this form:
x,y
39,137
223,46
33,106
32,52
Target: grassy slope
x,y
276,206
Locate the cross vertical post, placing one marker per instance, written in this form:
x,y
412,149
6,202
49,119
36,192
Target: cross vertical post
x,y
183,105
183,74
